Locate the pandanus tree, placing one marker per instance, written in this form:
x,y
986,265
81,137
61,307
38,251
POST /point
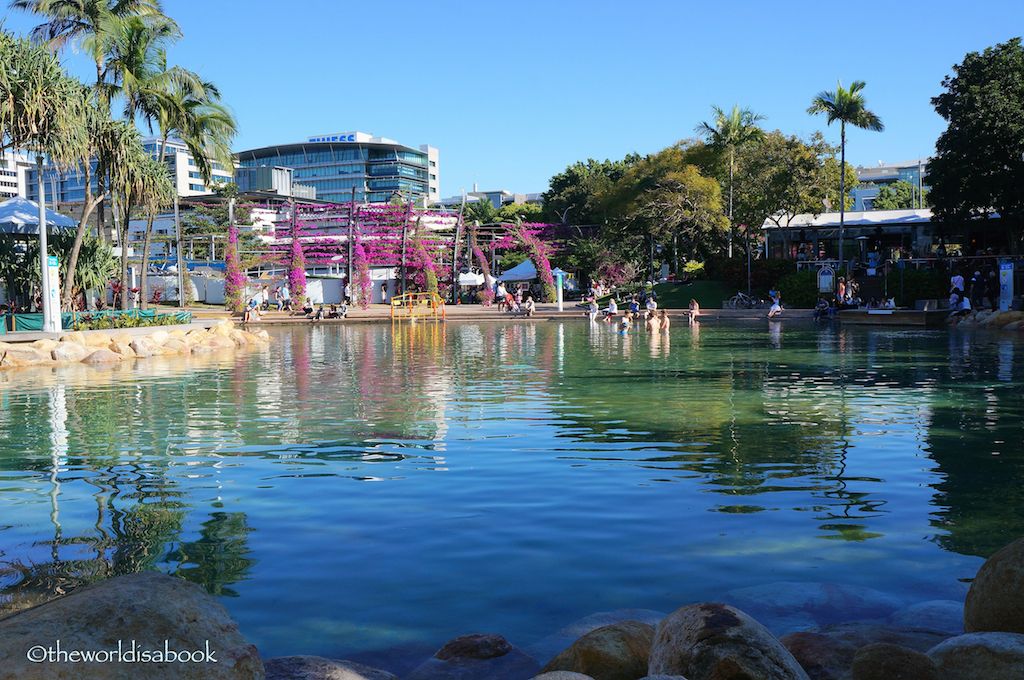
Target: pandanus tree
x,y
727,133
849,108
41,109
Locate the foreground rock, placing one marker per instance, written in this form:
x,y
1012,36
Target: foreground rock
x,y
891,662
148,608
319,668
561,675
995,601
620,651
828,653
715,641
544,650
477,657
981,656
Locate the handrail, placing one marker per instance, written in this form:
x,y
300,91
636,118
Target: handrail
x,y
408,303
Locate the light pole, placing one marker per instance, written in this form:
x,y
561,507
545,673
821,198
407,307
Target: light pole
x,y
559,284
47,288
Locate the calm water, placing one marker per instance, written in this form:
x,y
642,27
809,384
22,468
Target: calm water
x,y
366,487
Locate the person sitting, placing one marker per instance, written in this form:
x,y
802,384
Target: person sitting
x,y
333,312
319,313
530,305
652,304
634,305
776,308
663,321
307,308
592,310
890,303
612,310
343,310
511,305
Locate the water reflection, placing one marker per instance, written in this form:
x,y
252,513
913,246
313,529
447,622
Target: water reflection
x,y
565,460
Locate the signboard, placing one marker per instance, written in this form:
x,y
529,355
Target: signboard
x,y
342,137
1005,286
53,287
826,279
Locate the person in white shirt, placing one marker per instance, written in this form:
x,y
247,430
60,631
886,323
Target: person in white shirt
x,y
612,310
652,305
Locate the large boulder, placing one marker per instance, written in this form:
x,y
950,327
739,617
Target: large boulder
x,y
45,345
940,615
995,601
319,668
96,339
883,661
545,649
981,656
151,609
158,337
620,651
176,346
477,657
714,641
69,351
827,653
122,348
143,347
16,355
77,337
102,356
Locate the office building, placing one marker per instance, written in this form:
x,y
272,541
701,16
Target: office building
x,y
65,185
377,168
14,167
914,173
497,197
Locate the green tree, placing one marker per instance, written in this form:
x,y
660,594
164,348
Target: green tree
x,y
526,212
728,133
575,196
979,160
91,23
849,108
482,211
899,195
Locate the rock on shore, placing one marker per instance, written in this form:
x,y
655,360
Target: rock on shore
x,y
710,641
479,656
148,608
99,348
620,651
995,601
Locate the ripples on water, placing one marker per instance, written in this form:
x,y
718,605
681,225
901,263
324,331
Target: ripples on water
x,y
360,487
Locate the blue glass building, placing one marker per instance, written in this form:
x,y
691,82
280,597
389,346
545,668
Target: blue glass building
x,y
375,167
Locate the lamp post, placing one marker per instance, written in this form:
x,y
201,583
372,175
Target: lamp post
x,y
559,282
48,292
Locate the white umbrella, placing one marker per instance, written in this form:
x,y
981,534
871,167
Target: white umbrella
x,y
21,216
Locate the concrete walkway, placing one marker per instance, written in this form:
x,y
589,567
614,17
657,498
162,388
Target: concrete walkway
x,y
31,336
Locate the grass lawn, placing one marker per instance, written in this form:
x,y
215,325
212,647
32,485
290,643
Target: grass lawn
x,y
709,294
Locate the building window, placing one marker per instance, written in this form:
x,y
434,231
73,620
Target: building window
x,y
433,164
196,187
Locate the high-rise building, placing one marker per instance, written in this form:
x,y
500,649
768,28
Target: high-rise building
x,y
65,185
13,173
377,168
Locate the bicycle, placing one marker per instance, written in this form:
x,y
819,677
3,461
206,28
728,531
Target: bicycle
x,y
743,301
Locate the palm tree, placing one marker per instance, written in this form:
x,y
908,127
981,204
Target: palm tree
x,y
846,106
92,23
729,132
126,190
155,191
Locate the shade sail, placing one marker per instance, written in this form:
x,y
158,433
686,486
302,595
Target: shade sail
x,y
524,271
21,216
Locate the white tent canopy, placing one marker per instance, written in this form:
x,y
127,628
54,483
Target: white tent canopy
x,y
471,279
21,216
524,271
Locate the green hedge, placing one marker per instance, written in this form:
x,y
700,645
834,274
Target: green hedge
x,y
799,289
918,285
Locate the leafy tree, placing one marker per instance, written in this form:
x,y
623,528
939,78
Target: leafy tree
x,y
663,198
849,108
979,160
482,211
575,196
525,212
899,195
728,133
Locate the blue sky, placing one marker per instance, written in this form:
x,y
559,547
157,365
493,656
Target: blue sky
x,y
513,92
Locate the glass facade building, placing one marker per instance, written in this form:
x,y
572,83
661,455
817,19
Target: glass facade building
x,y
376,170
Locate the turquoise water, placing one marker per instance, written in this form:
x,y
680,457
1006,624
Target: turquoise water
x,y
363,487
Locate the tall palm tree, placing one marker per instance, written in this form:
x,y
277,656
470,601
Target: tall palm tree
x,y
728,132
92,23
848,107
154,190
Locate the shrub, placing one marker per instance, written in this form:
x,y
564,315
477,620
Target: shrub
x,y
799,289
94,322
917,285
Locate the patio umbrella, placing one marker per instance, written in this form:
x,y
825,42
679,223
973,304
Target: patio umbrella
x,y
21,216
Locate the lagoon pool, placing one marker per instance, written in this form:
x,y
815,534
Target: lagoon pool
x,y
369,487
